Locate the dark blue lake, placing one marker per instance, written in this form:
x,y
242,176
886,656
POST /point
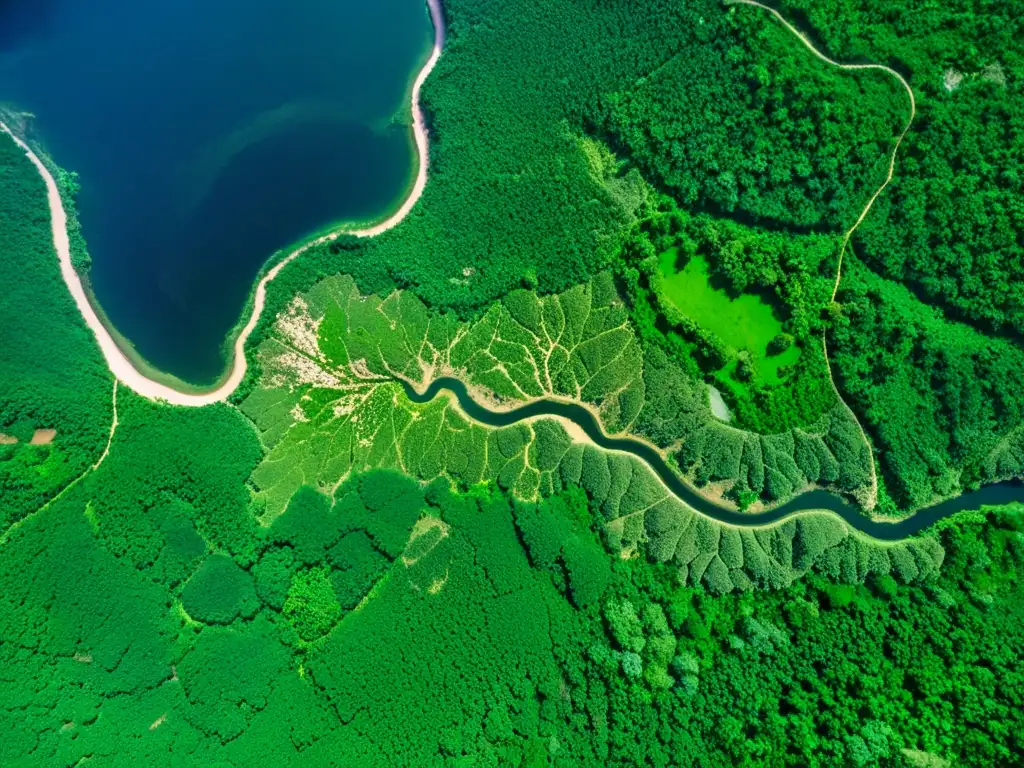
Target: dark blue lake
x,y
209,133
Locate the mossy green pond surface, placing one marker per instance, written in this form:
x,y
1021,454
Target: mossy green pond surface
x,y
744,322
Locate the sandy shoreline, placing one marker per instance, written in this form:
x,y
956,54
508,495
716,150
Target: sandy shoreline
x,y
119,363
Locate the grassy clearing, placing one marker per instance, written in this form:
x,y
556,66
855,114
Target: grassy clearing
x,y
744,323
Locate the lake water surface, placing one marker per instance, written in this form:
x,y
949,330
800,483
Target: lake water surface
x,y
209,133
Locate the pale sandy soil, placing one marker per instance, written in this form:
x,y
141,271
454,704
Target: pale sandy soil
x,y
7,439
43,437
123,368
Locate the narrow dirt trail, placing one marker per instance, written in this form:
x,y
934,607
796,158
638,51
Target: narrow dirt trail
x,y
899,139
106,452
118,362
113,431
872,498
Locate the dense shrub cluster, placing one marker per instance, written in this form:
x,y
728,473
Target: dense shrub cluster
x,y
942,402
950,225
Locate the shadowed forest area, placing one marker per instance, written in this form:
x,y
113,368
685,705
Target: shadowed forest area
x,y
146,616
322,572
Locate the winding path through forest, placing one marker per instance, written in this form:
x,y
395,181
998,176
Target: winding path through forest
x,y
120,365
872,498
6,535
899,139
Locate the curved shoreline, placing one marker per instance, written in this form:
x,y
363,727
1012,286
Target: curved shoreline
x,y
119,363
807,502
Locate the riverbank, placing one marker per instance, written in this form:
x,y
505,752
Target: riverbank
x,y
126,365
809,501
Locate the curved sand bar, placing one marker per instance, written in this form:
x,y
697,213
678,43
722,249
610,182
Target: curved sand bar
x,y
123,368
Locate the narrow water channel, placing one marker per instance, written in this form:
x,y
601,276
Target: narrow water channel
x,y
818,500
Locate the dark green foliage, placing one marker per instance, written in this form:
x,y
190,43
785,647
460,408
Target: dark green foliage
x,y
228,675
392,503
739,125
273,574
378,623
780,343
52,375
938,397
198,460
950,224
436,632
357,567
586,564
219,592
306,526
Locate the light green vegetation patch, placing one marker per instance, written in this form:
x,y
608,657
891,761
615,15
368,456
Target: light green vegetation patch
x,y
745,322
328,403
328,406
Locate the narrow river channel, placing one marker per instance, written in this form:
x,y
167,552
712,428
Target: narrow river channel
x,y
817,500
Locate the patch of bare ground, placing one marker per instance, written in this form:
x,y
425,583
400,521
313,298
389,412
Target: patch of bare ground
x,y
715,492
43,437
7,439
438,584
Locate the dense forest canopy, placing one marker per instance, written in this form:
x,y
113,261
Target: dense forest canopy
x,y
52,376
323,572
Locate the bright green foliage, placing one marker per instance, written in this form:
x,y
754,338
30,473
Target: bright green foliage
x,y
219,592
312,606
52,374
328,403
625,625
831,453
352,417
724,559
728,288
745,322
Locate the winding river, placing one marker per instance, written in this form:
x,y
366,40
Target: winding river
x,y
817,500
128,374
